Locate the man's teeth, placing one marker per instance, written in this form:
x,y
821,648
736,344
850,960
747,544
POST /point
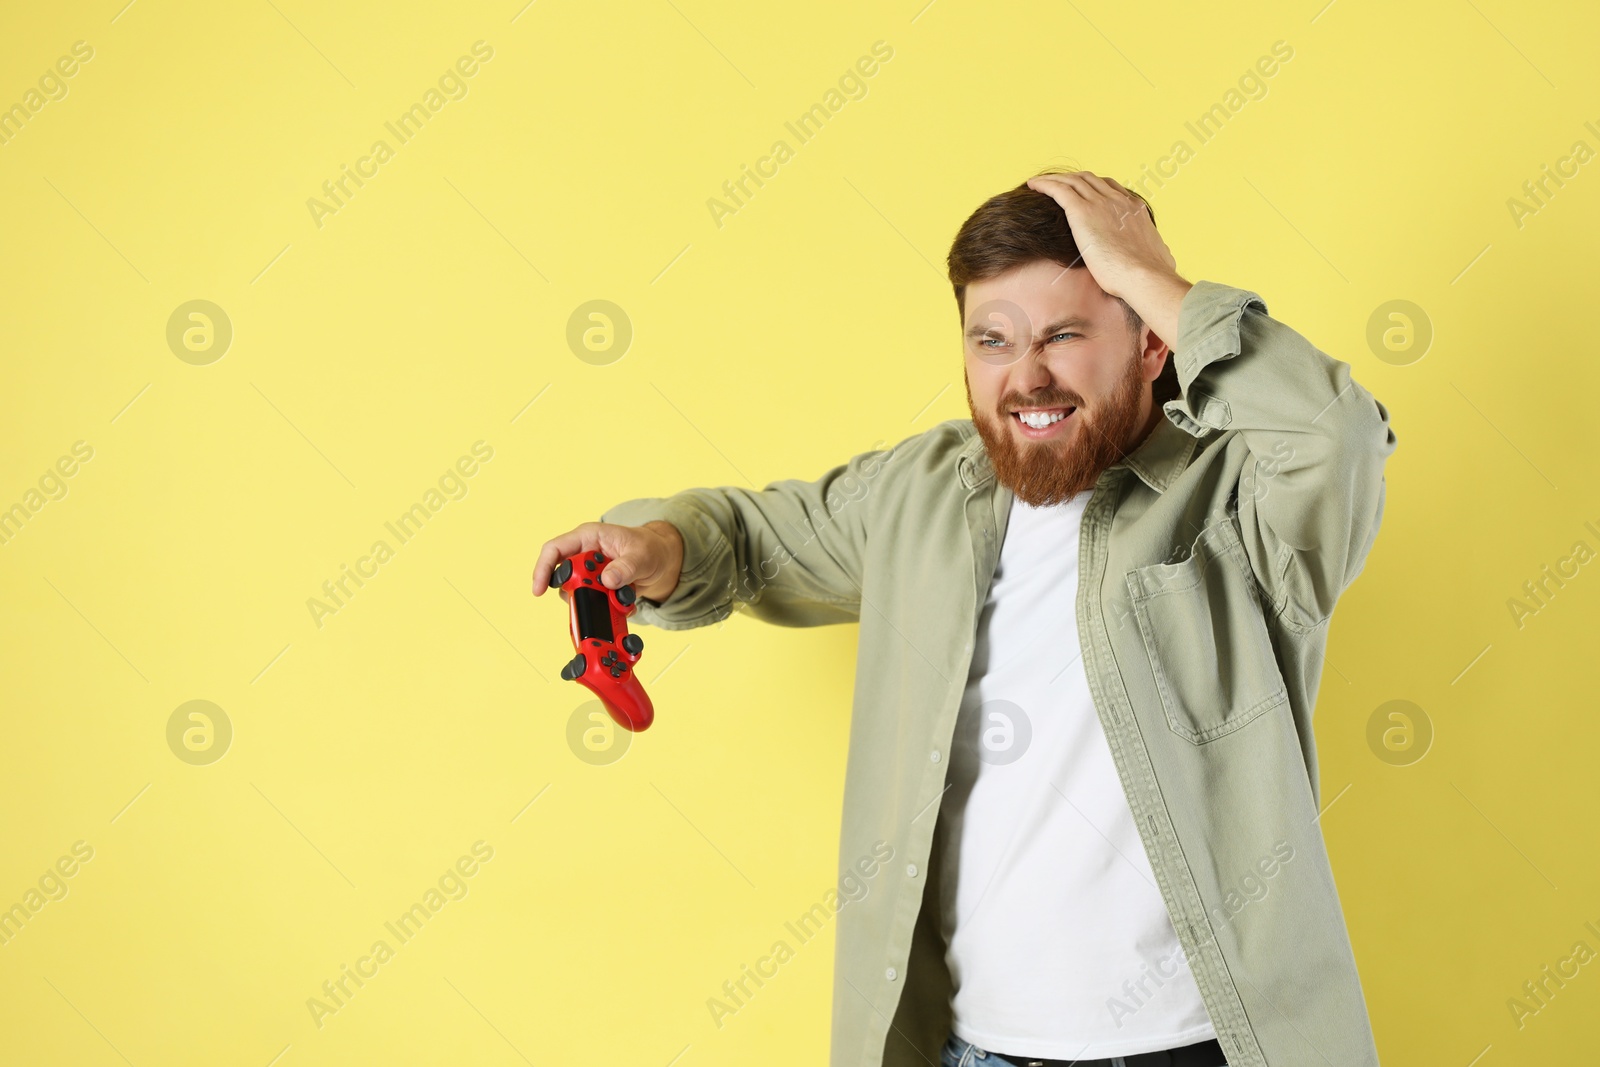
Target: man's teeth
x,y
1038,420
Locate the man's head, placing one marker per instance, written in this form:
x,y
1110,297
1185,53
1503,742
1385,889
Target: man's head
x,y
1039,335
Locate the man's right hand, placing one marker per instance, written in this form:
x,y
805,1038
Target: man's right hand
x,y
648,556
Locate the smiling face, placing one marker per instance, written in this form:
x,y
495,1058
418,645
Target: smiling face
x,y
1057,381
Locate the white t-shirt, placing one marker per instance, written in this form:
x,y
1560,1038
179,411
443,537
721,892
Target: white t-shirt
x,y
1060,945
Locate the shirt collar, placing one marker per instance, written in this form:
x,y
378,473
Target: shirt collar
x,y
1160,458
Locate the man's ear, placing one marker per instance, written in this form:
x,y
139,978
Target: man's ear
x,y
1166,383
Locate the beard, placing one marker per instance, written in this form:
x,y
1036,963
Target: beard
x,y
1042,473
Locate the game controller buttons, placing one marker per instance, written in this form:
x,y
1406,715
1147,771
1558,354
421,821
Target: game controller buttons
x,y
613,663
598,624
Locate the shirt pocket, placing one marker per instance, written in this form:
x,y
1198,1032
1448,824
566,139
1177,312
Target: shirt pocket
x,y
1205,632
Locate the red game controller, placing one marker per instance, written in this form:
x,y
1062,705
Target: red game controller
x,y
607,652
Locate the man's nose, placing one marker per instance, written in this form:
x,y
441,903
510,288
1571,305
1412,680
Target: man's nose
x,y
1032,366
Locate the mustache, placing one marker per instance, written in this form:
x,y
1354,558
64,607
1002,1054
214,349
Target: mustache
x,y
1048,400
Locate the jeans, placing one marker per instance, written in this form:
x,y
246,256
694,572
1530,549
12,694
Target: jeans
x,y
959,1053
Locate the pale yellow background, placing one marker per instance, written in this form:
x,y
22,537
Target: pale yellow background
x,y
816,323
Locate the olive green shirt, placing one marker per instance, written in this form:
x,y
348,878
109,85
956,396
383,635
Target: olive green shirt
x,y
1211,557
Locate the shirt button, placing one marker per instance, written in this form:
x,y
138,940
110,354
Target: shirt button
x,y
911,870
933,756
889,974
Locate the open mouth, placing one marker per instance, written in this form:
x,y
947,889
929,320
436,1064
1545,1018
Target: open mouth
x,y
1042,422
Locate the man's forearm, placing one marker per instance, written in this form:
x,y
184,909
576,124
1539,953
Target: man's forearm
x,y
1157,298
661,587
1311,496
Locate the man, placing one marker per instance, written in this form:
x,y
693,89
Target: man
x,y
1092,626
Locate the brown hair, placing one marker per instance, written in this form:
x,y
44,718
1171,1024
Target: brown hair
x,y
1020,226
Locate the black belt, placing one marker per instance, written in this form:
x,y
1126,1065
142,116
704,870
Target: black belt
x,y
1200,1054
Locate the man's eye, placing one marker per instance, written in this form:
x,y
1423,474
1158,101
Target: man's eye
x,y
984,341
1065,333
